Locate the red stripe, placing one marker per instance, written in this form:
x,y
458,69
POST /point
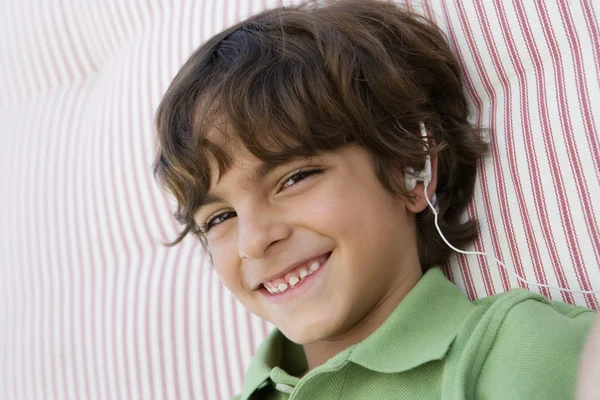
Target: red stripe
x,y
148,338
483,176
534,172
136,332
99,201
91,214
69,45
500,183
124,328
52,63
57,129
223,336
15,167
100,268
216,377
566,127
265,328
134,245
45,355
531,152
118,154
186,325
64,63
22,46
16,171
116,236
162,265
138,162
7,86
118,326
203,319
13,161
51,261
591,22
67,129
510,146
129,150
239,371
465,270
483,260
251,339
590,126
429,11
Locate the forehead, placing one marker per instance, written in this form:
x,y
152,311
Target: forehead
x,y
225,149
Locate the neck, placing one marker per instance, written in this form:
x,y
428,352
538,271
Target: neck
x,y
317,353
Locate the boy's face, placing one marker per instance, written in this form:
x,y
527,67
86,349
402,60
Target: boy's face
x,y
330,213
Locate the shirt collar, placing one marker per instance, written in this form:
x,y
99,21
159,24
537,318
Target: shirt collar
x,y
268,357
419,330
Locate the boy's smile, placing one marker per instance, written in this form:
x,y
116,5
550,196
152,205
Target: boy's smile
x,y
318,246
297,282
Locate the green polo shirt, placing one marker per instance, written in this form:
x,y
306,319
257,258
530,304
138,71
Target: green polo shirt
x,y
439,345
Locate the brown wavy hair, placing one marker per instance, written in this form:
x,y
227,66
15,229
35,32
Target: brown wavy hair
x,y
298,81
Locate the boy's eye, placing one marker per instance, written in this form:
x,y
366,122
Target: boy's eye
x,y
298,177
216,220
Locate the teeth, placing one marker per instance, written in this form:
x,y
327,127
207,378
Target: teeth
x,y
293,280
314,266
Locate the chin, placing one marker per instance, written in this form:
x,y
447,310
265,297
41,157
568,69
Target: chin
x,y
306,334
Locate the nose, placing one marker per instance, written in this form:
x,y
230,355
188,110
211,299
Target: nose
x,y
258,231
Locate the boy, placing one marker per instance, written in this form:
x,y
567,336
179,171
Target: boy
x,y
292,143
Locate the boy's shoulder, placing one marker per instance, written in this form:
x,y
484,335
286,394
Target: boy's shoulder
x,y
520,309
526,346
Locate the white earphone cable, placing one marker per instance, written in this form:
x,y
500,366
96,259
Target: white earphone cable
x,y
479,253
426,177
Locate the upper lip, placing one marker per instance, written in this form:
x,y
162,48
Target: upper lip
x,y
289,268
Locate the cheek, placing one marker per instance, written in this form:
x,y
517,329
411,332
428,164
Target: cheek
x,y
361,217
334,211
226,263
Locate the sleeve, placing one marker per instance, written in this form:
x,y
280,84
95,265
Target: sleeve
x,y
536,352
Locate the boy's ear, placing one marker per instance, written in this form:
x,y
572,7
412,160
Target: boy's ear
x,y
419,203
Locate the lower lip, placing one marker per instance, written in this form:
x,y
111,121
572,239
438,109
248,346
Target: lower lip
x,y
300,288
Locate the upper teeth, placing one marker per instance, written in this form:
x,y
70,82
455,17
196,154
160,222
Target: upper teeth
x,y
291,278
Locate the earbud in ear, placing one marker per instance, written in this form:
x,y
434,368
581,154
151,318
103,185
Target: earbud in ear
x,y
410,177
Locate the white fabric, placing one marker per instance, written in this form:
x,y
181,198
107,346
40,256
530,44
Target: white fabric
x,y
94,307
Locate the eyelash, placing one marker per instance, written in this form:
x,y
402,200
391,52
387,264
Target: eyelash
x,y
298,176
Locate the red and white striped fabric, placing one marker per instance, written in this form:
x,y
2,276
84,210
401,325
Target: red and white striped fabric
x,y
94,307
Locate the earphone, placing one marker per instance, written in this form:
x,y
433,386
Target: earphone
x,y
410,182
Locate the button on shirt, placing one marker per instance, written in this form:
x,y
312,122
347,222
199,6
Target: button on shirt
x,y
439,345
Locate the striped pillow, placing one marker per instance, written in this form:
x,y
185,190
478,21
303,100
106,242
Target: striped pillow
x,y
94,307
